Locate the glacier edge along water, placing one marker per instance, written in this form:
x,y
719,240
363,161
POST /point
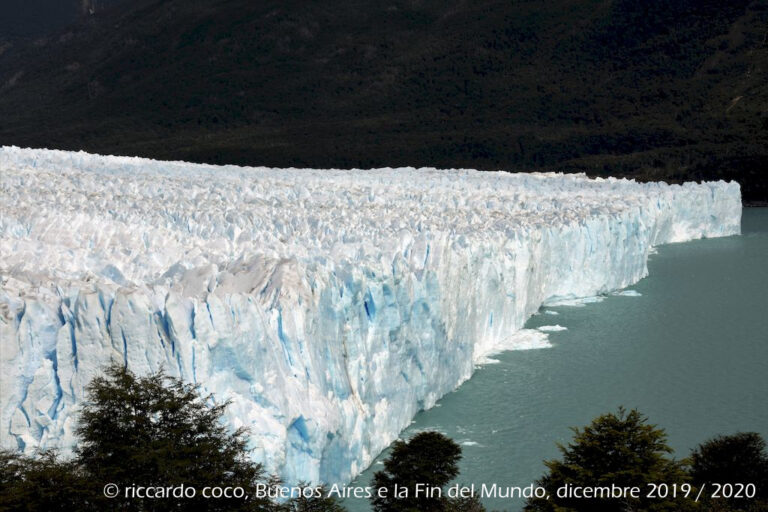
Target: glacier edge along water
x,y
686,347
328,306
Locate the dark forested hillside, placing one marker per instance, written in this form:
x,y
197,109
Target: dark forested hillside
x,y
32,19
655,89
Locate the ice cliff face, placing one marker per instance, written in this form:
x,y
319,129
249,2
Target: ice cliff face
x,y
328,306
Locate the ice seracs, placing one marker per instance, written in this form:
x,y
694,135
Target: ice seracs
x,y
329,306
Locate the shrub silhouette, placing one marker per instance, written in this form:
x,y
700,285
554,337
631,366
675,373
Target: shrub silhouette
x,y
430,459
145,431
619,449
736,459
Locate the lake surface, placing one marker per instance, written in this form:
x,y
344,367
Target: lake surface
x,y
691,353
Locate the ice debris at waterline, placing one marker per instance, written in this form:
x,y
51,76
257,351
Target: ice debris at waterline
x,y
552,328
329,306
627,293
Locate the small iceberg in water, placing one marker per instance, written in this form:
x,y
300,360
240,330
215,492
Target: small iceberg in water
x,y
627,293
552,328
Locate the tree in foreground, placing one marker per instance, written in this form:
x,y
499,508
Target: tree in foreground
x,y
160,431
145,431
735,459
619,449
318,501
428,462
40,483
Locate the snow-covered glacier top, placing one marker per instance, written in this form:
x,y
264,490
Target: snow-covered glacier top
x,y
328,305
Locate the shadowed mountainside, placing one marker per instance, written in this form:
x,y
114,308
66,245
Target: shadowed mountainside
x,y
653,89
26,19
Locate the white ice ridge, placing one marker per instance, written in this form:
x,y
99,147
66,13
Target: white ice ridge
x,y
329,306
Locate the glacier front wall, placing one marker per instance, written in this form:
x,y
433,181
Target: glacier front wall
x,y
326,354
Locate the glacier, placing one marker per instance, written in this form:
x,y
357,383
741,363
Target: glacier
x,y
329,306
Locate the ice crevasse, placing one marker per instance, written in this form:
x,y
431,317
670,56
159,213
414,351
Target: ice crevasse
x,y
329,306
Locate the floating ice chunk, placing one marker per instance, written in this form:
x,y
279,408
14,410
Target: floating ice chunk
x,y
575,302
550,312
627,293
482,361
524,339
552,328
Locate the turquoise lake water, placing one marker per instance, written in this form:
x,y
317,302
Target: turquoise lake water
x,y
691,353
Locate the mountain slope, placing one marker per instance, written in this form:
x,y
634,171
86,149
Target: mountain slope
x,y
24,19
658,89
